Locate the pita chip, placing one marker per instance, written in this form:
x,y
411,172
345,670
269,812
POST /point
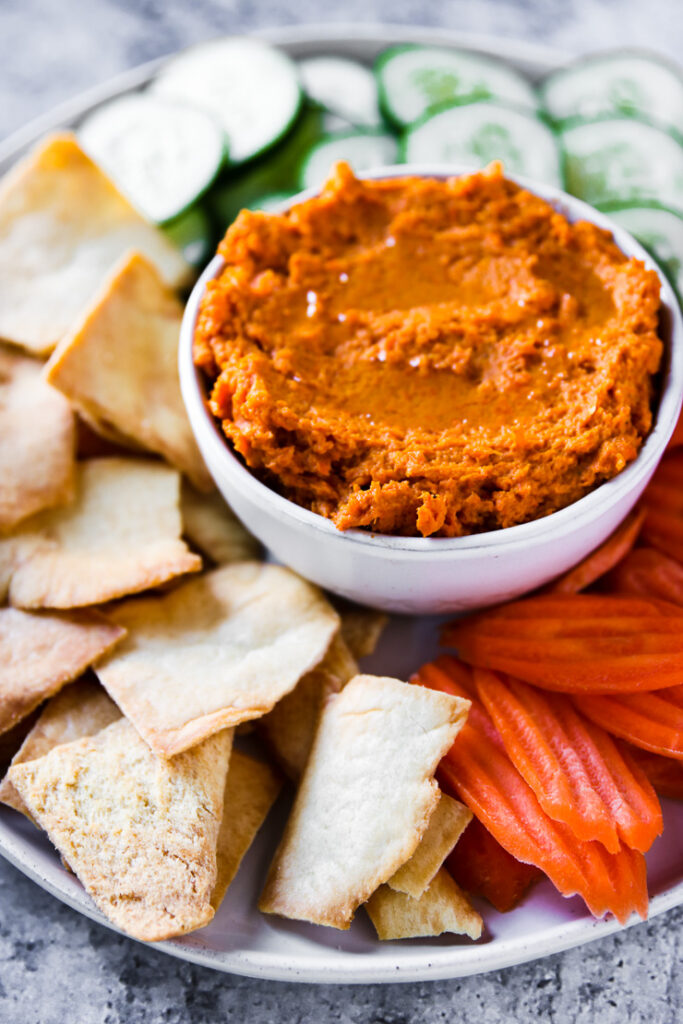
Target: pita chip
x,y
37,441
81,709
121,535
251,789
63,226
211,526
139,831
361,628
118,365
289,729
443,907
446,825
365,800
40,653
219,650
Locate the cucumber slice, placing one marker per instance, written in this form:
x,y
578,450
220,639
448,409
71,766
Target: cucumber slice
x,y
474,134
343,87
161,153
271,202
252,88
193,235
660,230
622,159
277,171
627,83
414,79
362,150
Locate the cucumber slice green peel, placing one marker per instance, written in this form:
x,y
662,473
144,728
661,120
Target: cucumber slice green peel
x,y
251,87
624,159
163,154
628,83
413,80
657,228
474,134
362,150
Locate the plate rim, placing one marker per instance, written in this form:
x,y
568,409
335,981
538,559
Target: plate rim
x,y
418,963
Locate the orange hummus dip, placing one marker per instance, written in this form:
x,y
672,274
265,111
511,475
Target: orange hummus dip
x,y
428,357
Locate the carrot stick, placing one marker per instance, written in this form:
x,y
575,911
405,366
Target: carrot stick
x,y
604,558
663,503
480,865
482,775
647,572
577,643
653,721
665,774
573,766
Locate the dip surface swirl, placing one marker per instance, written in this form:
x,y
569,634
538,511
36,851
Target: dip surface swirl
x,y
428,357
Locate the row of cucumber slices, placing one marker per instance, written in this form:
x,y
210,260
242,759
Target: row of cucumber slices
x,y
235,123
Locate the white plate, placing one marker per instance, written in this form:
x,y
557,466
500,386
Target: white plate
x,y
239,939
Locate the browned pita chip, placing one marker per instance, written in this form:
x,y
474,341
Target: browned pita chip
x,y
139,831
63,226
290,727
361,628
212,527
81,709
120,535
446,825
251,789
118,365
219,650
36,441
39,653
365,800
443,907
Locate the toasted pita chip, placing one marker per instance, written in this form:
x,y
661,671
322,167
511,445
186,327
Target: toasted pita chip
x,y
446,825
365,800
63,226
81,709
443,907
11,741
37,441
361,628
210,525
39,653
218,650
118,365
289,729
139,831
121,535
251,789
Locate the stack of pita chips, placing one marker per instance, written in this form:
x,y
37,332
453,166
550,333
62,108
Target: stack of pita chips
x,y
139,629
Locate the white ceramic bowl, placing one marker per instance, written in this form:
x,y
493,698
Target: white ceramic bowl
x,y
416,575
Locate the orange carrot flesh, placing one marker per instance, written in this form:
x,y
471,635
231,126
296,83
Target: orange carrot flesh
x,y
604,558
665,774
573,766
663,503
481,774
577,643
647,572
653,721
481,866
676,438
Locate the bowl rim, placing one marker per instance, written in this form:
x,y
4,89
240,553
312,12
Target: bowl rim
x,y
586,508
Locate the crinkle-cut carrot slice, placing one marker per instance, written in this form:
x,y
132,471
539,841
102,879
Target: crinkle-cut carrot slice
x,y
480,773
663,503
653,721
481,866
604,558
665,773
647,572
577,643
573,766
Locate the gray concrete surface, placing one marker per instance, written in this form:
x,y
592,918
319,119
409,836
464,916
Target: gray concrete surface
x,y
56,967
